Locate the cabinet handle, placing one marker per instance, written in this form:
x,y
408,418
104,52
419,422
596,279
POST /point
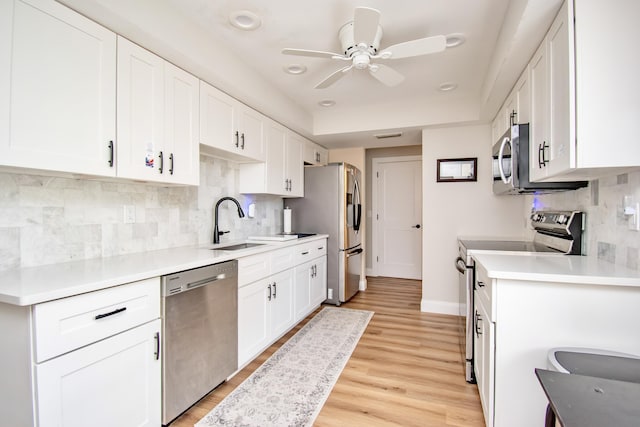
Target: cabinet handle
x,y
269,298
161,168
242,138
542,161
304,253
290,184
274,290
171,164
156,353
111,313
318,157
110,154
478,321
237,139
480,284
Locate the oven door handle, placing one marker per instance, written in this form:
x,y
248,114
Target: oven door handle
x,y
461,265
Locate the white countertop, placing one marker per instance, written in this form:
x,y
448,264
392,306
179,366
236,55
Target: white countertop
x,y
563,269
32,285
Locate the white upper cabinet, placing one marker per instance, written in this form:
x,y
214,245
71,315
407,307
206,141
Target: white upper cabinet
x,y
282,173
591,95
539,127
58,85
516,108
182,125
228,128
157,118
314,154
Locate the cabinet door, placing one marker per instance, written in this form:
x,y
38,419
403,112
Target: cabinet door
x,y
250,127
182,125
114,382
218,120
254,328
58,80
294,165
484,359
319,281
281,302
302,290
523,99
538,129
141,153
561,91
276,174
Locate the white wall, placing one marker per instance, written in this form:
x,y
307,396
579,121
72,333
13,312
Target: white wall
x,y
452,209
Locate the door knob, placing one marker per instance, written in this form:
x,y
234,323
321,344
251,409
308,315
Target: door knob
x,y
415,226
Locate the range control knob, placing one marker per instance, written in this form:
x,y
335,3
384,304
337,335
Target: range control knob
x,y
562,219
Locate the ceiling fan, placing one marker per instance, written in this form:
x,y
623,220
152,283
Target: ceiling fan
x,y
360,40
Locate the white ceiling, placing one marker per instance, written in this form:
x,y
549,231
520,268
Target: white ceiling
x,y
500,37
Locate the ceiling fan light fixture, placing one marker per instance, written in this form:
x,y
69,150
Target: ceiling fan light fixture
x,y
245,20
327,103
447,87
295,69
455,40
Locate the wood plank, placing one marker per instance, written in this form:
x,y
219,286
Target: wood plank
x,y
406,370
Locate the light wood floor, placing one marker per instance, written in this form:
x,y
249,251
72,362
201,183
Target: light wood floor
x,y
406,370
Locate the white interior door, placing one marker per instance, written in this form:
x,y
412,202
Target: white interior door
x,y
397,250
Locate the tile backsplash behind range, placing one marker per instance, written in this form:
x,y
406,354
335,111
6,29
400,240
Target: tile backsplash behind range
x,y
607,234
45,219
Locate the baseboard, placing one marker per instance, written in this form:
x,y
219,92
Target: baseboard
x,y
362,285
440,307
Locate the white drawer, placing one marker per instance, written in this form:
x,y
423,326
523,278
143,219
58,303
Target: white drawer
x,y
319,248
281,259
304,252
254,267
69,323
485,290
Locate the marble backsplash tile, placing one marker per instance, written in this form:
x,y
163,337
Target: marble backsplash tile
x,y
47,219
607,235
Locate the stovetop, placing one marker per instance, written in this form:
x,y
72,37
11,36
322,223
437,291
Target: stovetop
x,y
505,245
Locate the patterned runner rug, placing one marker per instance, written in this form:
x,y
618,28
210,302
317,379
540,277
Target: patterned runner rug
x,y
290,388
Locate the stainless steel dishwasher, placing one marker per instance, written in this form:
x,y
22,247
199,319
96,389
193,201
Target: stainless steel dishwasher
x,y
200,330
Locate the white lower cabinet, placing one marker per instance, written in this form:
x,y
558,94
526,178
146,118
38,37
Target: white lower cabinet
x,y
114,382
269,306
484,351
90,359
311,286
265,311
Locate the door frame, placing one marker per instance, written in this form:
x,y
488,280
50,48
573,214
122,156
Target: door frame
x,y
375,199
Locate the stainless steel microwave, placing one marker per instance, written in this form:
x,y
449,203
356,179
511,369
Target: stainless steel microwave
x,y
511,166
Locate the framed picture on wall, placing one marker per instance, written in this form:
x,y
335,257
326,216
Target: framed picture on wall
x,y
457,170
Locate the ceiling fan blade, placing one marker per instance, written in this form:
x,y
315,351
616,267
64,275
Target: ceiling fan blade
x,y
365,25
312,53
334,77
386,75
417,47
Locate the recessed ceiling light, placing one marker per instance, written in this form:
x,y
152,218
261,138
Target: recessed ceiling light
x,y
454,40
327,103
245,20
446,87
295,68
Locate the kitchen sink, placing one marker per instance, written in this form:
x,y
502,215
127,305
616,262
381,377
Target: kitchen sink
x,y
237,246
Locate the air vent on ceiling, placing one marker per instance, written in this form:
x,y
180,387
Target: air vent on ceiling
x,y
388,135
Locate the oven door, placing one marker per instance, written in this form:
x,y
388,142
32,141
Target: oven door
x,y
503,165
465,291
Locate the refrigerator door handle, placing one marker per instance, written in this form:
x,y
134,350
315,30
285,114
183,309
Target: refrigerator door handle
x,y
354,252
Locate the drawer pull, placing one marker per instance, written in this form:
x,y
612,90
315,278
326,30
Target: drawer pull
x,y
480,284
111,313
305,253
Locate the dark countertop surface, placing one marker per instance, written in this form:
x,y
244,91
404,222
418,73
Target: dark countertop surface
x,y
585,401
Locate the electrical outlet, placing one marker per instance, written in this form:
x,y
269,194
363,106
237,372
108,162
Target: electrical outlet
x,y
634,218
129,214
330,293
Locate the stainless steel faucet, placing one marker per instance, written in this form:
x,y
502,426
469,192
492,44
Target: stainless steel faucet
x,y
217,233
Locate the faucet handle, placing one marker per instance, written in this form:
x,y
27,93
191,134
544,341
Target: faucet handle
x,y
220,233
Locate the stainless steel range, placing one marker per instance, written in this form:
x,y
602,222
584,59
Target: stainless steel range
x,y
556,233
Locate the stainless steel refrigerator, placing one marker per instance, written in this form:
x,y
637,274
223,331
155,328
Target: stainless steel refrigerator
x,y
332,205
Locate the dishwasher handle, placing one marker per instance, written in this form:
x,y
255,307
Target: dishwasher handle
x,y
203,282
